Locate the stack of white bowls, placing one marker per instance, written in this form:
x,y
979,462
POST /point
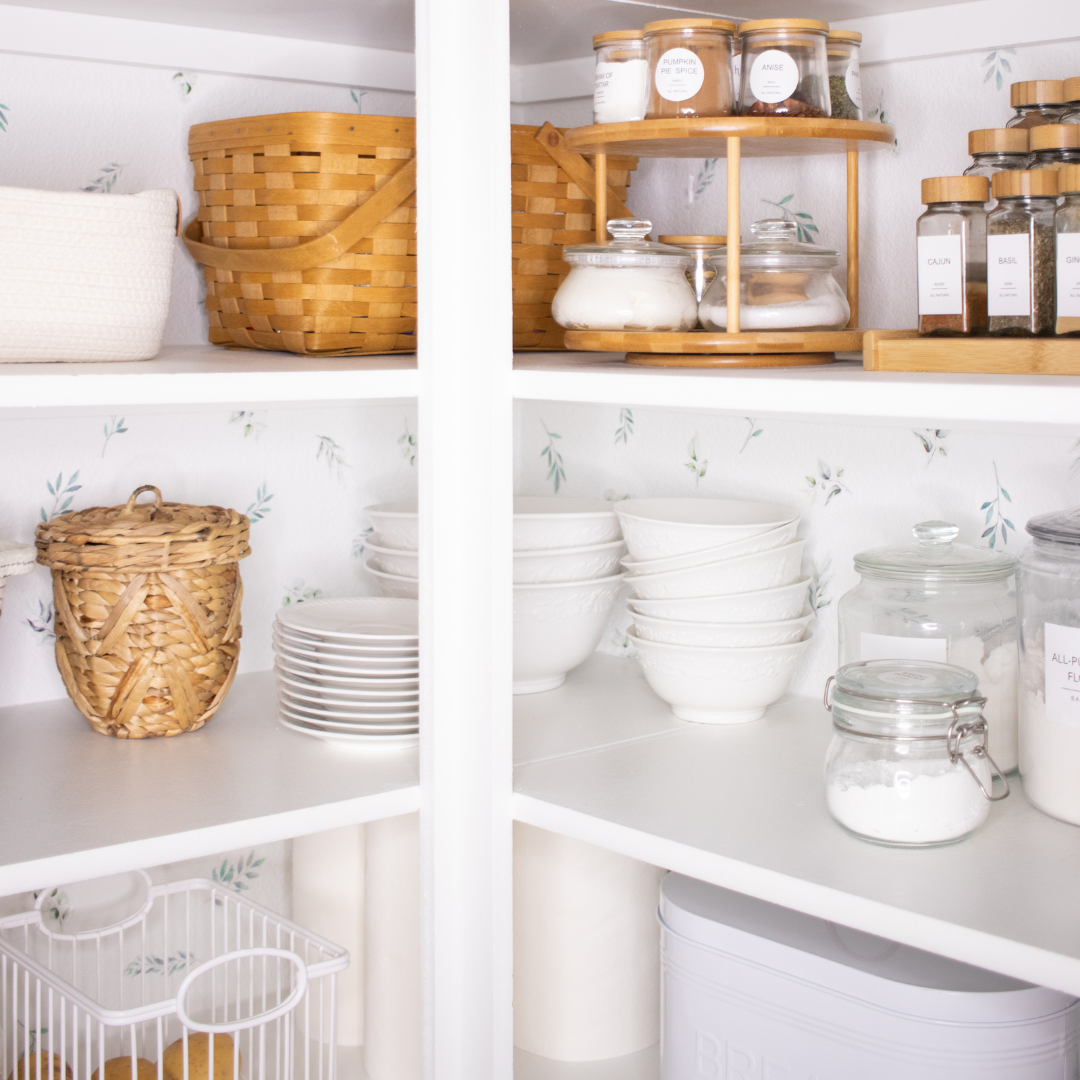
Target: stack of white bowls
x,y
717,598
394,561
348,670
566,584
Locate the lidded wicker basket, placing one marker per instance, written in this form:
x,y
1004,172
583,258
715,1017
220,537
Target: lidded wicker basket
x,y
147,600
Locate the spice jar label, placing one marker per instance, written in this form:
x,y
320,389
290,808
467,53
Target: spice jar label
x,y
941,276
1068,275
679,75
620,90
774,76
853,83
1008,275
736,71
1062,672
891,647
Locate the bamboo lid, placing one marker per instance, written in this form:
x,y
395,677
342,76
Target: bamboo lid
x,y
852,36
955,189
1072,89
616,35
783,24
694,241
1068,179
998,141
726,25
1054,136
1037,92
1010,185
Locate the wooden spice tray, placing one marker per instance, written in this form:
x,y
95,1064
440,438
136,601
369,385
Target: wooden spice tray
x,y
904,350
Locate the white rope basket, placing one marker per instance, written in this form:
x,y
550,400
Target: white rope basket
x,y
15,559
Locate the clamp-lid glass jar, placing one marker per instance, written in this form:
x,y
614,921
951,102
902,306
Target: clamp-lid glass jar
x,y
997,149
629,283
1067,252
1037,102
943,601
1071,115
702,248
785,69
621,84
689,68
845,82
908,762
1053,146
783,284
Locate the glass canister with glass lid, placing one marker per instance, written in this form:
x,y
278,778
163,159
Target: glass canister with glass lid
x,y
621,83
785,69
997,149
908,763
943,601
845,82
783,284
629,283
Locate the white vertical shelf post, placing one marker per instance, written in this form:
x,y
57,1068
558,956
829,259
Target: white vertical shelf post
x,y
466,482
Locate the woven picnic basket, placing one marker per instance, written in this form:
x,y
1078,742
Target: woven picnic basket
x,y
307,230
147,599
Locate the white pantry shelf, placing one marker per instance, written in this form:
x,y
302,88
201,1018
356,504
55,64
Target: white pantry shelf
x,y
206,374
743,807
843,391
75,804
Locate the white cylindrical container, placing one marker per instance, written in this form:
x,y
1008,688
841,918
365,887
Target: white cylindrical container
x,y
756,990
622,76
392,1037
586,949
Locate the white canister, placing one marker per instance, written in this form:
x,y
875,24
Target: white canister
x,y
621,85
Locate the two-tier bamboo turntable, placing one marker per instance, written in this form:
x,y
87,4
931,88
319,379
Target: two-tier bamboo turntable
x,y
722,136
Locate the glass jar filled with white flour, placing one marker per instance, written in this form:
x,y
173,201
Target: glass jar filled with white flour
x,y
908,762
629,283
621,85
1048,598
944,601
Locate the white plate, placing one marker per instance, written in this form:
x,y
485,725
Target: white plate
x,y
360,714
370,670
402,723
338,648
386,690
354,618
306,649
364,739
320,695
344,682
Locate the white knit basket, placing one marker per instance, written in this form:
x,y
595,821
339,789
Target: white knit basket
x,y
14,559
82,276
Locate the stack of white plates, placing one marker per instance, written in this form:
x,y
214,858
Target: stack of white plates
x,y
348,670
393,560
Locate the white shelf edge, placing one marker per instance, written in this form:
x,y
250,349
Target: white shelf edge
x,y
962,943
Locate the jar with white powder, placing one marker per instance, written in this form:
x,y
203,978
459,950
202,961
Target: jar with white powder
x,y
621,85
908,762
629,283
940,600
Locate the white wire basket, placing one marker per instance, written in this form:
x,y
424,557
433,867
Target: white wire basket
x,y
198,966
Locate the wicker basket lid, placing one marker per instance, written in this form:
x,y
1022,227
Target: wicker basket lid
x,y
146,536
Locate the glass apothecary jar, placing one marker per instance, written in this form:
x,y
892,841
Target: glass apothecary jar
x,y
703,248
845,81
996,150
785,69
629,283
621,85
942,601
689,68
951,252
1048,599
908,763
1053,146
1067,252
1038,102
783,284
1071,115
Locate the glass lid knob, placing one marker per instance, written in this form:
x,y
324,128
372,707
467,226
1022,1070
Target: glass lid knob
x,y
629,229
774,229
936,532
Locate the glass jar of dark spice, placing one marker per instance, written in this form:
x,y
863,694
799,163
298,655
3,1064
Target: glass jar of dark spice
x,y
1038,102
1020,253
997,149
1071,115
845,85
1053,146
785,69
951,246
689,68
1067,230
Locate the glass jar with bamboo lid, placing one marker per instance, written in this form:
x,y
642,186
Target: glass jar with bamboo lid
x,y
1067,252
1071,115
701,271
621,84
996,149
951,252
1054,146
689,68
785,68
845,84
1037,102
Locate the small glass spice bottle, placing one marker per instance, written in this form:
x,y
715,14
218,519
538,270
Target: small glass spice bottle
x,y
1067,237
1054,146
951,244
785,68
1071,115
996,149
689,68
622,76
1020,253
1038,102
845,85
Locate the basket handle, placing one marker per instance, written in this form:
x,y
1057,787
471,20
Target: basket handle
x,y
158,504
332,245
578,169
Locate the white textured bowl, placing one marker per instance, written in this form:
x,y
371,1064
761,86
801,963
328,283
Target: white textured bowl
x,y
719,686
396,523
765,541
557,627
764,605
549,521
568,564
748,635
764,570
396,560
661,528
392,584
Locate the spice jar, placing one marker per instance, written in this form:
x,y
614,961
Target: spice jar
x,y
783,285
621,83
701,271
689,68
1020,253
1048,599
996,150
1067,252
1071,115
628,283
1054,146
1038,102
845,85
940,600
951,250
908,763
785,68
736,64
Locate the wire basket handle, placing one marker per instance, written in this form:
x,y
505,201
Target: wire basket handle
x,y
101,931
